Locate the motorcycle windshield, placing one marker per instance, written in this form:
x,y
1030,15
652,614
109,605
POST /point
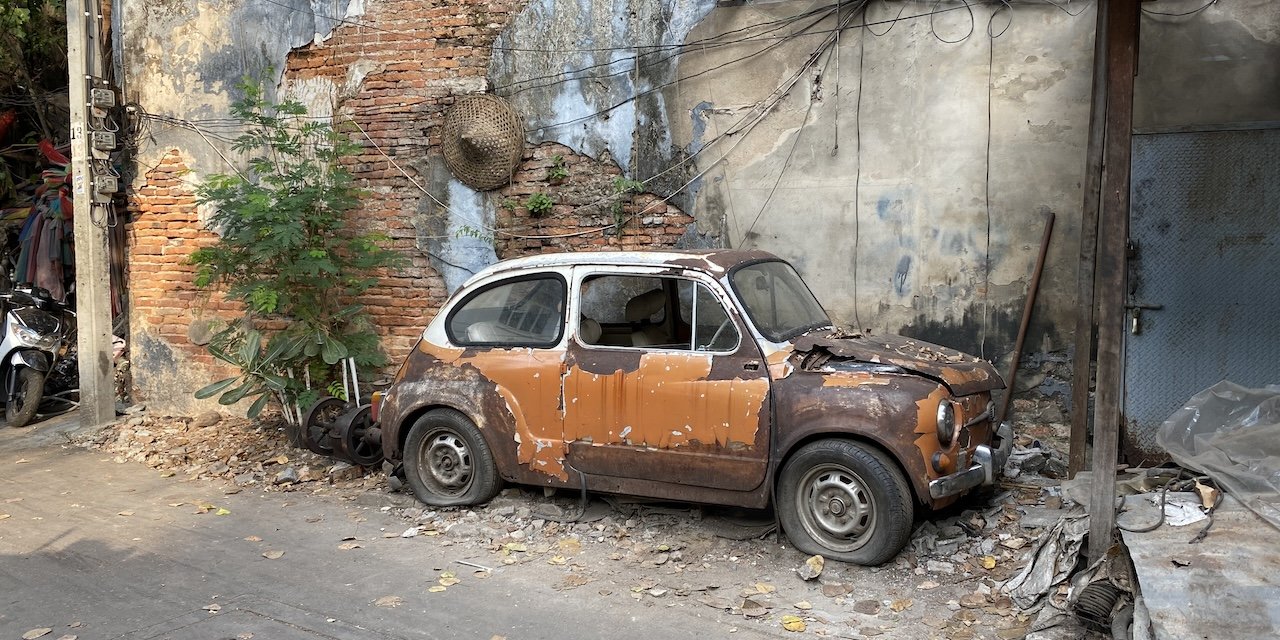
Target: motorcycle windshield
x,y
39,321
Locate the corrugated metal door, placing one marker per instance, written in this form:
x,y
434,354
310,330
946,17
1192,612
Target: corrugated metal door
x,y
1204,274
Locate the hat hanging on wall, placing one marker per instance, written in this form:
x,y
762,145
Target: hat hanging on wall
x,y
483,141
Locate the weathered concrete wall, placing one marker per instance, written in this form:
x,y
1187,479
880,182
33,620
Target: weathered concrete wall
x,y
906,177
907,174
1219,66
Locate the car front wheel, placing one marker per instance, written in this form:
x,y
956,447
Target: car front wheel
x,y
845,501
447,462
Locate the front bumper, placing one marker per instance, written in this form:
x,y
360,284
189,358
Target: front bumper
x,y
988,460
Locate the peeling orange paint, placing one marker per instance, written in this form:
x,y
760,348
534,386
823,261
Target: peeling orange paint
x,y
529,381
927,427
854,379
777,363
665,403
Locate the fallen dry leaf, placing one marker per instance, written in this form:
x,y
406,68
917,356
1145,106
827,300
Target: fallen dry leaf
x,y
928,585
36,633
388,602
253,538
125,513
176,504
988,562
765,587
12,500
901,605
4,516
24,461
515,546
867,607
716,602
752,608
222,512
273,554
448,579
803,605
436,589
347,546
556,560
792,623
212,608
245,636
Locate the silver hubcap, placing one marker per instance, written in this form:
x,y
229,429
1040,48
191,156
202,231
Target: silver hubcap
x,y
448,461
836,507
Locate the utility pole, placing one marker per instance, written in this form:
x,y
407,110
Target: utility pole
x,y
93,183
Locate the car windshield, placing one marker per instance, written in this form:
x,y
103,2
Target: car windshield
x,y
777,300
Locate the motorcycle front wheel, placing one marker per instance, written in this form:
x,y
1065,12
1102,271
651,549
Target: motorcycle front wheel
x,y
28,387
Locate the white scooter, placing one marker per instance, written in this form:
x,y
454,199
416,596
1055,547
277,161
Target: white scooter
x,y
33,334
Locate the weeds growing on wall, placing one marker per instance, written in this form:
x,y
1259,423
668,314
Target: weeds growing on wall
x,y
287,252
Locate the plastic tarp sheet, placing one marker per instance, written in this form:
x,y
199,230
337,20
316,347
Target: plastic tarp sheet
x,y
1232,434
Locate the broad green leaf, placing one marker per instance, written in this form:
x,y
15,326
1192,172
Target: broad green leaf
x,y
237,394
215,388
332,351
258,405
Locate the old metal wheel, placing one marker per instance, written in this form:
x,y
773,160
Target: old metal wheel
x,y
845,501
836,508
28,387
356,439
447,461
319,423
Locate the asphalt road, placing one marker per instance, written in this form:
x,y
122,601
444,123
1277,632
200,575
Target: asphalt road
x,y
96,544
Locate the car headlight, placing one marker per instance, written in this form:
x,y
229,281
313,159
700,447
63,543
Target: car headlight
x,y
946,422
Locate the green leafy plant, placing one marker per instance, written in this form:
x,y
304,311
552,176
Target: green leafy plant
x,y
558,171
623,189
538,204
287,252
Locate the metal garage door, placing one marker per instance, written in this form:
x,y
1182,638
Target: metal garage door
x,y
1205,224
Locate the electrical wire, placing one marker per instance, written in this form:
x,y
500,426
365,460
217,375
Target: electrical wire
x,y
1192,12
934,30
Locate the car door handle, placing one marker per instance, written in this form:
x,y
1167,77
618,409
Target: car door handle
x,y
752,365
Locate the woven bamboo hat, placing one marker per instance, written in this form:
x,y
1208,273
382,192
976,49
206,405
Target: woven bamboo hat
x,y
483,141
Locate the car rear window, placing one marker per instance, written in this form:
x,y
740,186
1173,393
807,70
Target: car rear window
x,y
523,312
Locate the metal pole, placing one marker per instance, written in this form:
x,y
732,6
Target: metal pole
x,y
1113,234
1028,307
93,270
1086,303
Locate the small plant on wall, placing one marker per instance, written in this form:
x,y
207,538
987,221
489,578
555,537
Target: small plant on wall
x,y
558,172
623,189
287,252
538,204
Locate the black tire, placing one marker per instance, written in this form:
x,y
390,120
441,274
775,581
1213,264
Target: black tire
x,y
29,387
447,463
845,501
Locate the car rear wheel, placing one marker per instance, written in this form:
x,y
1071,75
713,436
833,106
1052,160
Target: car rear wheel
x,y
845,501
447,462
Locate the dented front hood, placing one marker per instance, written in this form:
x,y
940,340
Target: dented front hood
x,y
962,373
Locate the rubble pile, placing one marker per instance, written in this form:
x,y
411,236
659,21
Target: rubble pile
x,y
243,453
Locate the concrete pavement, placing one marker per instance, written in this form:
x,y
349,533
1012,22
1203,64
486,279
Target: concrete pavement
x,y
97,544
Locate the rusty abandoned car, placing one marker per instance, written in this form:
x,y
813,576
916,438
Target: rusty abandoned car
x,y
711,377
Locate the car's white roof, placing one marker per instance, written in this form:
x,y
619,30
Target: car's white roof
x,y
710,260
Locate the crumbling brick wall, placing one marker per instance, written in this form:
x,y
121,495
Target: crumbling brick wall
x,y
417,59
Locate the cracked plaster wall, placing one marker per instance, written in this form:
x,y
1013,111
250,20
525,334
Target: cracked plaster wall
x,y
899,120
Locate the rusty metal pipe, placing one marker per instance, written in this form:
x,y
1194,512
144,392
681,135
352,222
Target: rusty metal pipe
x,y
1026,317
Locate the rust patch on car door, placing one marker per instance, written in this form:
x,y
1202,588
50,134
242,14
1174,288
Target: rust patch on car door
x,y
667,402
669,420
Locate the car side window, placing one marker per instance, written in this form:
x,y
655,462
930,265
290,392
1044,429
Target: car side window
x,y
653,312
526,312
713,329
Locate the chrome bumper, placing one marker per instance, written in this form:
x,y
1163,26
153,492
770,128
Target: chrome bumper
x,y
987,463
